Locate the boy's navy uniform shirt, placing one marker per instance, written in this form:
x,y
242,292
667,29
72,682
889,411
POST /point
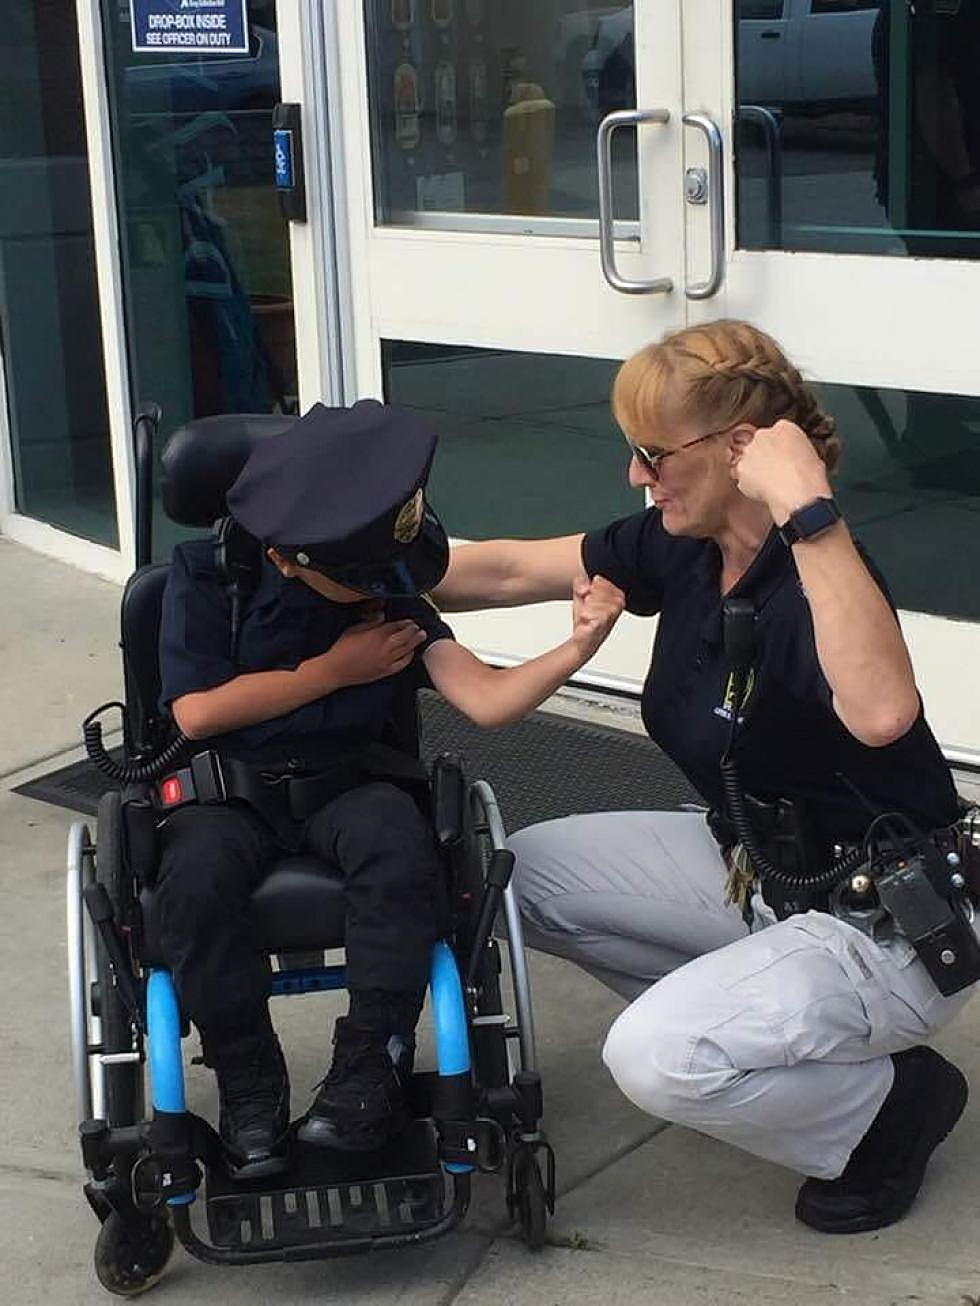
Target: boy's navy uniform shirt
x,y
791,743
284,623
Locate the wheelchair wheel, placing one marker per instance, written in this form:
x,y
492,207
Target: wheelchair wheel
x,y
131,1253
122,1081
530,1200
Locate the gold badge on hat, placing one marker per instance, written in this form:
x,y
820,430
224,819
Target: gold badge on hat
x,y
408,523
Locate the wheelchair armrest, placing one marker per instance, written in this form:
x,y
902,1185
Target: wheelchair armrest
x,y
448,799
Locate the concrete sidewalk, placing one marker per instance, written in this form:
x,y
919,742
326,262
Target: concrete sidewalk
x,y
646,1213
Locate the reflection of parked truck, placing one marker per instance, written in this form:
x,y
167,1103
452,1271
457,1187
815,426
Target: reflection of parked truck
x,y
795,54
801,53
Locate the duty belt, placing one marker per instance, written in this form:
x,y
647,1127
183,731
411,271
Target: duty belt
x,y
743,880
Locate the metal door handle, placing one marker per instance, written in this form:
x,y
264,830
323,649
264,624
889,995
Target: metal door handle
x,y
607,249
716,206
770,36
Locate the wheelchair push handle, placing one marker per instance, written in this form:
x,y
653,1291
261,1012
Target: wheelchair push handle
x,y
145,426
499,871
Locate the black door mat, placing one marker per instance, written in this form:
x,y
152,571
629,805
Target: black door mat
x,y
542,767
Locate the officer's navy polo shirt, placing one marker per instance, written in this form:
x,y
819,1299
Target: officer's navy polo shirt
x,y
791,744
284,623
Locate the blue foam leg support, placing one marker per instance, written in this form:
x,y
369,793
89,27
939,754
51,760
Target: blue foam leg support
x,y
449,1019
449,1013
163,1053
163,1043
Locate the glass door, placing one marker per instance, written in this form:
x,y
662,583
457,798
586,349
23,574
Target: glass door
x,y
207,275
494,220
50,335
852,149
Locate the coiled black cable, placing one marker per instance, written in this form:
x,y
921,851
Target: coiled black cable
x,y
125,773
735,802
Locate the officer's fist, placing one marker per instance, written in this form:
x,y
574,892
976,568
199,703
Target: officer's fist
x,y
777,465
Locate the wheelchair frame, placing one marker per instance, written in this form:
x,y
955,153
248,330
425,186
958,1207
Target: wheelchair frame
x,y
144,1173
126,1188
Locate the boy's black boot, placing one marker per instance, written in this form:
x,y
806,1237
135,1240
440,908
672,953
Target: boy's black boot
x,y
360,1104
880,1181
253,1089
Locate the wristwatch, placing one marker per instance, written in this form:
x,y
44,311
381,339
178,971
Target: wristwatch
x,y
812,519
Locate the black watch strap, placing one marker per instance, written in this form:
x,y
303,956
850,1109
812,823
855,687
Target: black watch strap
x,y
812,519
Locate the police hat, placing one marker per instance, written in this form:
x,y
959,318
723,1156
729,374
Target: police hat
x,y
342,492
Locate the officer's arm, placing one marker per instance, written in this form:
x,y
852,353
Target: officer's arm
x,y
505,573
858,639
492,696
859,642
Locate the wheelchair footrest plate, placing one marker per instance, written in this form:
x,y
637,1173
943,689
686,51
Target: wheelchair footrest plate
x,y
333,1196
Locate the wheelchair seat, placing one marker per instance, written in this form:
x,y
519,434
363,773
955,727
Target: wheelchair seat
x,y
298,907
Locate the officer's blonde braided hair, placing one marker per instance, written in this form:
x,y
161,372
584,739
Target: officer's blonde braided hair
x,y
714,376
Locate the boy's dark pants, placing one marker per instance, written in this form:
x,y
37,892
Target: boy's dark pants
x,y
213,858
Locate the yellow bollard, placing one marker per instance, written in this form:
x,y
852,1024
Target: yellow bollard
x,y
529,135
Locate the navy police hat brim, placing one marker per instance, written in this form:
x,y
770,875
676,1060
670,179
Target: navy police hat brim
x,y
417,569
343,491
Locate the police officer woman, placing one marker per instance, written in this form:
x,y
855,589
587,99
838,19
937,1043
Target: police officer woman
x,y
297,710
785,1031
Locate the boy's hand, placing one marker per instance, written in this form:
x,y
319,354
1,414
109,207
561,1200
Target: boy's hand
x,y
372,650
596,606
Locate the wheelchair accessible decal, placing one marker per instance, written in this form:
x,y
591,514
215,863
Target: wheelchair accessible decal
x,y
726,707
185,26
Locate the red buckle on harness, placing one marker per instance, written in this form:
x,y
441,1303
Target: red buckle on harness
x,y
176,789
171,792
201,782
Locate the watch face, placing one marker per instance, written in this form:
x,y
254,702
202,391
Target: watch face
x,y
813,518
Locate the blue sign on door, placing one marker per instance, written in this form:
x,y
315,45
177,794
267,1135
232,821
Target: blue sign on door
x,y
282,148
189,26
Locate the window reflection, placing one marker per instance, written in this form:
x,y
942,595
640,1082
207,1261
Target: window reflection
x,y
528,445
876,106
491,106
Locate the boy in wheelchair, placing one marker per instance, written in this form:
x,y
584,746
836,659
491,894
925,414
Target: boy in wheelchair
x,y
294,699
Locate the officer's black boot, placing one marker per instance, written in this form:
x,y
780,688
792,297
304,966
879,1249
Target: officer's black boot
x,y
253,1089
880,1181
360,1104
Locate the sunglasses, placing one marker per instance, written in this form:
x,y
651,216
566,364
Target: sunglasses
x,y
650,459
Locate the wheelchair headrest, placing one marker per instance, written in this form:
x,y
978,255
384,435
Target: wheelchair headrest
x,y
201,461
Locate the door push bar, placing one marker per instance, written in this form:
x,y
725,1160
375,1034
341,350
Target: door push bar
x,y
716,206
715,199
607,250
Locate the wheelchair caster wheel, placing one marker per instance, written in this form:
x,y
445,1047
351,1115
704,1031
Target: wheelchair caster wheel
x,y
531,1203
132,1252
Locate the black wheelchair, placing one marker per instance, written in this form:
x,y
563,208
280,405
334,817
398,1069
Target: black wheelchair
x,y
157,1172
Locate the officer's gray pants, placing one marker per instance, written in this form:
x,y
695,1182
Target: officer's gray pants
x,y
777,1040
